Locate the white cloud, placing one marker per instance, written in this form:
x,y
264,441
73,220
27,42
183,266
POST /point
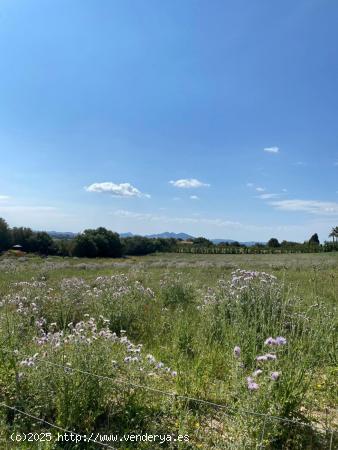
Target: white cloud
x,y
116,190
4,197
271,149
188,183
250,185
309,206
268,196
260,189
194,197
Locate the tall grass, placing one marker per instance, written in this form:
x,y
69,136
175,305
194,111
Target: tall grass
x,y
174,332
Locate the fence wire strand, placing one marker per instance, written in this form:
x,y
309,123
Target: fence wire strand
x,y
229,411
83,437
174,395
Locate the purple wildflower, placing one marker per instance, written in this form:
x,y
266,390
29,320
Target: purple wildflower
x,y
280,340
270,341
151,359
252,386
274,376
237,351
266,357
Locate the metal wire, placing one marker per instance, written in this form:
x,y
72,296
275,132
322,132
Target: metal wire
x,y
226,409
83,437
69,369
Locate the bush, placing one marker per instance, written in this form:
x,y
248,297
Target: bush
x,y
99,242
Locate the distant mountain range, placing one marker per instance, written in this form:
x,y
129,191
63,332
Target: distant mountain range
x,y
165,235
247,243
185,236
62,234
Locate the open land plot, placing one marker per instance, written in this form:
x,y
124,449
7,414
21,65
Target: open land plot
x,y
153,344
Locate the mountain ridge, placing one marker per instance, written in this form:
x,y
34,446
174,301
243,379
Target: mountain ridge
x,y
165,235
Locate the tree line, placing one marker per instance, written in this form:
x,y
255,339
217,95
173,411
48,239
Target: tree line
x,y
101,242
90,243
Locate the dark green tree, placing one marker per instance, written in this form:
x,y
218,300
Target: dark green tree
x,y
21,236
42,243
5,235
314,239
64,247
273,243
235,244
334,234
107,242
138,245
202,242
97,242
84,246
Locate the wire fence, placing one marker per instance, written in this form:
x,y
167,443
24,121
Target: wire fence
x,y
82,437
227,410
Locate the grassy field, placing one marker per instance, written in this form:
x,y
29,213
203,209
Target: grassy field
x,y
170,345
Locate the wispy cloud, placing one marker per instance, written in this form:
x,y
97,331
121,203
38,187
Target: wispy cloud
x,y
271,149
268,196
126,190
309,206
196,220
27,209
188,183
263,195
183,220
4,197
194,197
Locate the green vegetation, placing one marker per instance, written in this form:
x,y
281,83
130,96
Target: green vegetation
x,y
198,326
105,243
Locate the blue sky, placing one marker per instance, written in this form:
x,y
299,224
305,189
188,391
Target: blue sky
x,y
214,118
